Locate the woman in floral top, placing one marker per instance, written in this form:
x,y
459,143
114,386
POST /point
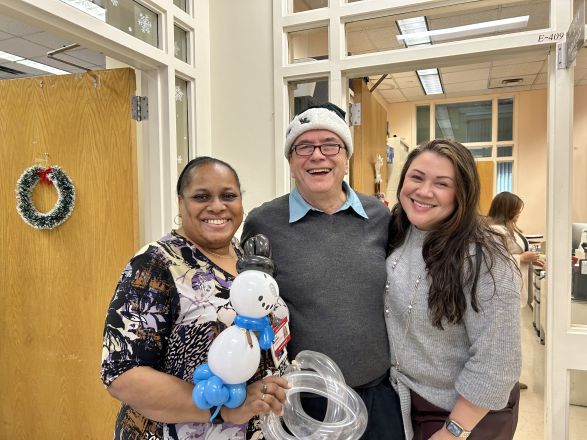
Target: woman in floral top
x,y
171,301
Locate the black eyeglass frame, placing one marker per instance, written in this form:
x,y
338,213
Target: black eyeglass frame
x,y
320,147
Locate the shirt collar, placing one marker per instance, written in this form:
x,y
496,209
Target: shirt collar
x,y
298,207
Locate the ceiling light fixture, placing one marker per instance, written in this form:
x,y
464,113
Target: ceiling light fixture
x,y
513,22
43,67
9,56
430,81
414,26
30,63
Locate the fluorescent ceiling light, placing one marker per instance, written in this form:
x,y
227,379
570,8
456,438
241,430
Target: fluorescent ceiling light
x,y
89,8
9,56
414,26
430,81
43,67
521,21
26,62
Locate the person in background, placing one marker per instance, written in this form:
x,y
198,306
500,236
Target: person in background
x,y
171,301
503,216
452,307
329,245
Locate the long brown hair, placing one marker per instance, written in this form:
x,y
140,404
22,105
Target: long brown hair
x,y
503,210
446,250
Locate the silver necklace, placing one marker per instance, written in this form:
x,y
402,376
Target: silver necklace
x,y
407,313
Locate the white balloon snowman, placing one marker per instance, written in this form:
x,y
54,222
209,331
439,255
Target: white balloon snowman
x,y
235,353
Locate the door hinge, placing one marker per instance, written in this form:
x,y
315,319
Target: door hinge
x,y
355,114
140,108
561,55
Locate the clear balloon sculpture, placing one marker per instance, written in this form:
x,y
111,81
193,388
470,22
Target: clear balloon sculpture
x,y
234,355
316,373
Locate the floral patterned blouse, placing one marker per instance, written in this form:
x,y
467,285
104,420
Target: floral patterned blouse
x,y
170,303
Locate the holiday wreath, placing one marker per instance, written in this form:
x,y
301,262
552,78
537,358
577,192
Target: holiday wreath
x,y
65,196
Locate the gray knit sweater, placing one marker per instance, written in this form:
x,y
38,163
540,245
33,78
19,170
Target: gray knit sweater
x,y
479,359
331,273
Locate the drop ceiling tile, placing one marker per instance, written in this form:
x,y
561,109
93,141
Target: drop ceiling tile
x,y
414,92
47,40
393,96
471,87
518,59
403,74
358,42
465,76
384,39
5,36
23,48
89,56
16,27
407,81
516,70
465,67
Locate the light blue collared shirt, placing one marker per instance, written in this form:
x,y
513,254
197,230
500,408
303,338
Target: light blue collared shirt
x,y
298,207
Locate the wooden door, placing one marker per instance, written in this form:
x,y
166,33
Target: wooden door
x,y
369,140
56,284
486,176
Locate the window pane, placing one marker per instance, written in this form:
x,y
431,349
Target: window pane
x,y
505,151
422,124
308,45
181,43
181,4
464,122
127,15
306,5
181,123
134,19
504,177
444,24
480,151
309,93
505,119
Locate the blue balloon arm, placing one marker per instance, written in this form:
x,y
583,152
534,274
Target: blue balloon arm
x,y
266,338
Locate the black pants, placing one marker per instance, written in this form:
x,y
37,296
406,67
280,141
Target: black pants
x,y
383,409
496,425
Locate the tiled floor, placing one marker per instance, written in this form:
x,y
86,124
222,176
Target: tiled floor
x,y
531,418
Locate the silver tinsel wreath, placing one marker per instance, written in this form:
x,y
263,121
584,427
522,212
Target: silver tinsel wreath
x,y
65,197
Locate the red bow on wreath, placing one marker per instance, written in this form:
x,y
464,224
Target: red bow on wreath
x,y
44,176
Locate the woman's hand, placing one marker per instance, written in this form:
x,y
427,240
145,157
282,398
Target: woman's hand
x,y
264,396
529,257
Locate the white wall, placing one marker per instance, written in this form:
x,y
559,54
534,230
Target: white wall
x,y
242,93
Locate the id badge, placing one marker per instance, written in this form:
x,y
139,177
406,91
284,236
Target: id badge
x,y
282,337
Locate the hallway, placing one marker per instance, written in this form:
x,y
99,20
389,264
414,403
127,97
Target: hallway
x,y
531,419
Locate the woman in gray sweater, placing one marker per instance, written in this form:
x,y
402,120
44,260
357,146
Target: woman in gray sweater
x,y
452,303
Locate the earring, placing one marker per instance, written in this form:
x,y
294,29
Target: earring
x,y
177,220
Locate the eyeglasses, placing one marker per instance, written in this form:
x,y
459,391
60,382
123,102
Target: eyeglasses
x,y
327,149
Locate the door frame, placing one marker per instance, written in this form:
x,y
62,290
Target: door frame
x,y
156,70
564,342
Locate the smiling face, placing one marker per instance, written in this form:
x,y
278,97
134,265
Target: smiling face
x,y
211,207
428,194
318,175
